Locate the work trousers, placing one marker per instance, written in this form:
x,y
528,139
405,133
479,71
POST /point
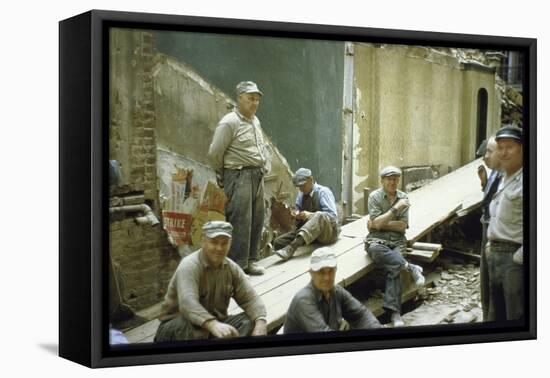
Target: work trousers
x,y
180,328
506,285
390,259
245,211
321,228
483,273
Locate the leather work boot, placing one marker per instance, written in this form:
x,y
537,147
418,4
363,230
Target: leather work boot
x,y
416,273
285,253
396,320
254,269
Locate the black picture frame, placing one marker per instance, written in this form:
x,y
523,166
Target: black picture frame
x,y
84,193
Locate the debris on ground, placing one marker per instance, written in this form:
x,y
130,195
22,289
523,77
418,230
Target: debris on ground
x,y
453,298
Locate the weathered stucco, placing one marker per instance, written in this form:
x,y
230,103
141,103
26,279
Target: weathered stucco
x,y
188,110
414,106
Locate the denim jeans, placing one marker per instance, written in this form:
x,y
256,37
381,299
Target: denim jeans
x,y
180,328
392,262
245,211
506,285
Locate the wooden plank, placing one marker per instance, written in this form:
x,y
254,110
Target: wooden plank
x,y
427,246
284,272
144,333
433,203
423,256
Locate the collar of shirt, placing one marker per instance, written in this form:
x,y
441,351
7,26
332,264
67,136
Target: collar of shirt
x,y
514,176
398,194
315,189
319,294
204,263
249,120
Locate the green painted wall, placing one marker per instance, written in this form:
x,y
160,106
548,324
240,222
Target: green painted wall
x,y
302,82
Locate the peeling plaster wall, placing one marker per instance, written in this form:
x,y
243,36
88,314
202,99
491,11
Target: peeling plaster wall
x,y
302,81
413,106
188,110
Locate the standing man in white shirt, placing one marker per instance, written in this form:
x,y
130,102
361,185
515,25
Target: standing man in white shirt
x,y
504,251
237,154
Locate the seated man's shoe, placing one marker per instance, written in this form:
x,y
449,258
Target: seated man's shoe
x,y
396,320
416,273
286,252
254,269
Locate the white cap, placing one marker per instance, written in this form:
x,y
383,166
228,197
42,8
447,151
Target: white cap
x,y
323,258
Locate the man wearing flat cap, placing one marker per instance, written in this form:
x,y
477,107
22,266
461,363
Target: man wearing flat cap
x,y
323,306
238,155
504,252
489,186
386,242
197,299
315,213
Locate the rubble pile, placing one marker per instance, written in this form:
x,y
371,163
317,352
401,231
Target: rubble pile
x,y
453,298
511,103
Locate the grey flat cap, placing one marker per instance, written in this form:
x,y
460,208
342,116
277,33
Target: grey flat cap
x,y
301,176
510,131
217,228
323,258
390,171
248,87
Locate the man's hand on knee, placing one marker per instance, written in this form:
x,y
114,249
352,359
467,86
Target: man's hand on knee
x,y
221,330
260,328
304,215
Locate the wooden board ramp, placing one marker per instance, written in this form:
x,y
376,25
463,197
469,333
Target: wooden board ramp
x,y
431,205
435,202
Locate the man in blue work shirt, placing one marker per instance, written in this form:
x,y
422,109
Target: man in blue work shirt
x,y
315,214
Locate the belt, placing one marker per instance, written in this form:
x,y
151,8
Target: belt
x,y
243,168
505,243
387,243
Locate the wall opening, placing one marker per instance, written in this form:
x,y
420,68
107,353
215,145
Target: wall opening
x,y
482,97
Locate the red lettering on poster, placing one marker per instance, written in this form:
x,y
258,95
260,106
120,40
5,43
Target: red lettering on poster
x,y
178,226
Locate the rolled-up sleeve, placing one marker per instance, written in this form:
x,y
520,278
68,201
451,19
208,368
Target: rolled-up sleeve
x,y
328,203
375,209
187,281
246,297
223,135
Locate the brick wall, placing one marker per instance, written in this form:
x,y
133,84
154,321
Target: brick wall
x,y
143,258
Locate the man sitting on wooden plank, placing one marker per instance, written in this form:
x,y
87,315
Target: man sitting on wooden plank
x,y
196,303
315,213
322,306
386,242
